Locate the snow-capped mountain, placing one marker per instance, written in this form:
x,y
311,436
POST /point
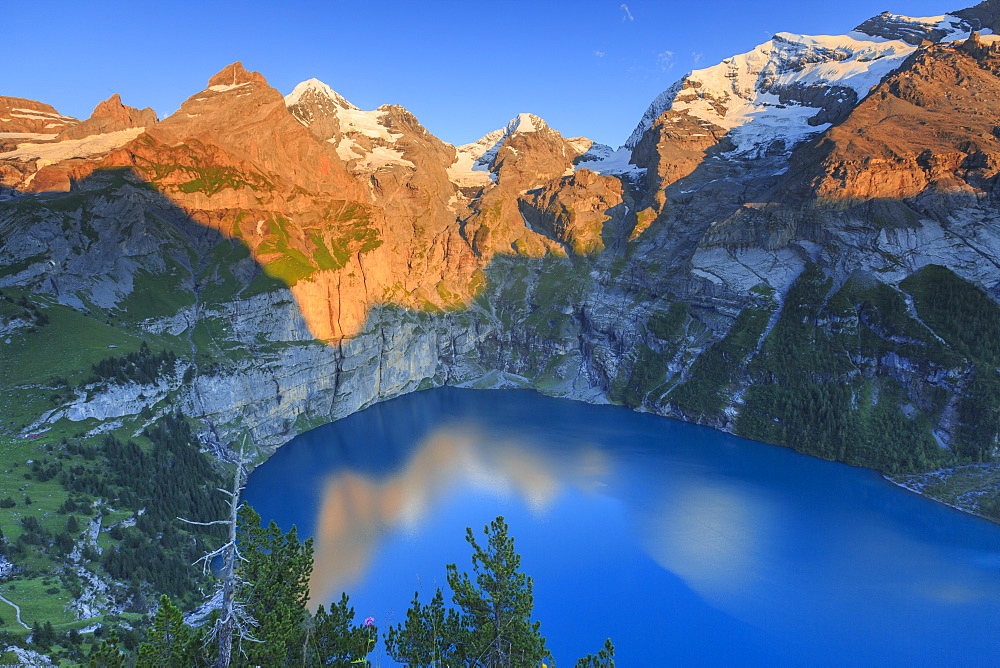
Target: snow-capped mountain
x,y
475,164
793,87
362,138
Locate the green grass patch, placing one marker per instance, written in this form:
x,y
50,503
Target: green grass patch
x,y
35,601
263,283
290,258
157,295
67,346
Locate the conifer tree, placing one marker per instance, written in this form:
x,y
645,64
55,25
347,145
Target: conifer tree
x,y
333,639
170,642
605,658
497,605
105,654
273,585
492,627
429,634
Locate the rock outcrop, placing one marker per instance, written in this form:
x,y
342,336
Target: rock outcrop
x,y
110,116
576,210
21,116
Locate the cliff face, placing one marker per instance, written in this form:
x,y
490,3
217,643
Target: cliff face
x,y
779,251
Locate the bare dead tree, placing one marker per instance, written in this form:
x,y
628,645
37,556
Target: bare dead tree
x,y
235,619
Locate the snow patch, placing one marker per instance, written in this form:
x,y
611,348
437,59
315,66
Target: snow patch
x,y
43,114
37,136
379,157
466,171
366,123
347,148
53,152
368,160
222,88
603,159
34,116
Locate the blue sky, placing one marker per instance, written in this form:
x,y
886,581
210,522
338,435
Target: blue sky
x,y
464,68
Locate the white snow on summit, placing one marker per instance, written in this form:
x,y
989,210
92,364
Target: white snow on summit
x,y
526,123
318,87
364,141
772,92
473,161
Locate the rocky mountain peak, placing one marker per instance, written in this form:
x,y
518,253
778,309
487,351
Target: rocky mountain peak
x,y
315,92
235,75
109,107
884,150
111,116
317,106
475,160
984,16
752,110
525,122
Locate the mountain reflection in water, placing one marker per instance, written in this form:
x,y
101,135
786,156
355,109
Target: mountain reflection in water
x,y
355,511
666,536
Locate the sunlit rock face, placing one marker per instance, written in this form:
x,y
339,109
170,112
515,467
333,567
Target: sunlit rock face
x,y
110,116
884,150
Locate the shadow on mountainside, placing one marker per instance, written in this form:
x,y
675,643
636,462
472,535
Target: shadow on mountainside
x,y
125,263
114,262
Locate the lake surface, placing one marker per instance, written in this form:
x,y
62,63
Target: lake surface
x,y
685,545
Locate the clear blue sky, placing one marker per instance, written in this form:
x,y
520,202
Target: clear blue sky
x,y
464,68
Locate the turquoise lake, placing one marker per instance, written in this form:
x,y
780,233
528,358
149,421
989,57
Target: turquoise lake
x,y
685,545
